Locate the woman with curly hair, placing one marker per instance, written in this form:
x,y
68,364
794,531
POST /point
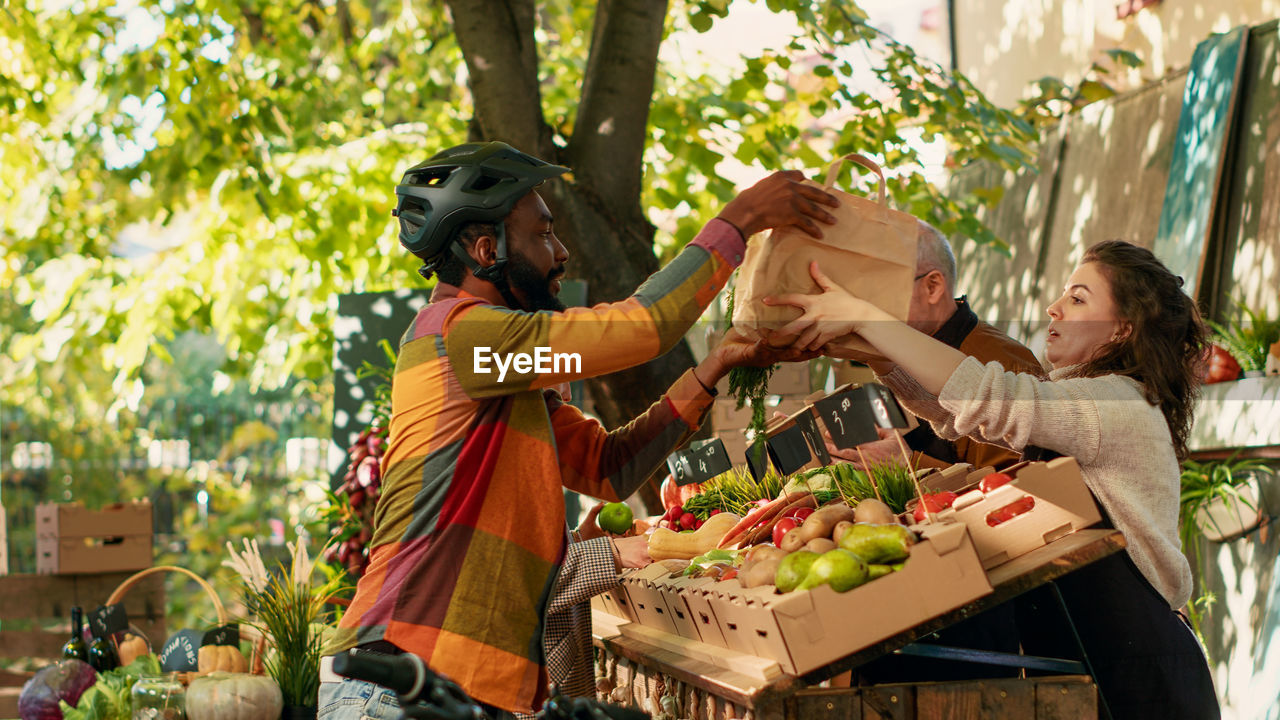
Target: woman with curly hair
x,y
1126,346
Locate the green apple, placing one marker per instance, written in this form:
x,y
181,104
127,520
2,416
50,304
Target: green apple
x,y
615,518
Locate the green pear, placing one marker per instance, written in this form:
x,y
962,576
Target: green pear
x,y
878,544
793,569
840,569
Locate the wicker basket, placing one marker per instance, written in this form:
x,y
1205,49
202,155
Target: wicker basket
x,y
257,640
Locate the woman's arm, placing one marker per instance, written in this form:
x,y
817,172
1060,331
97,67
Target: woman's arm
x,y
977,401
834,313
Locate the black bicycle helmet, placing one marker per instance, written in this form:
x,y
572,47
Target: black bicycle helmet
x,y
475,182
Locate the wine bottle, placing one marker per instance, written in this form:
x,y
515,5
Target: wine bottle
x,y
102,655
75,648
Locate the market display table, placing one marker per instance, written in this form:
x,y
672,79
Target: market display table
x,y
34,613
721,683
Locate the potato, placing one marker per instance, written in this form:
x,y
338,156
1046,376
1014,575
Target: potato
x,y
823,521
761,573
759,553
841,528
794,540
875,512
820,545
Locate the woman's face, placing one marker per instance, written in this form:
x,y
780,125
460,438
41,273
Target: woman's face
x,y
1083,320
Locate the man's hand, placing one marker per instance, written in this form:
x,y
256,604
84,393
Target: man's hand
x,y
633,552
777,201
734,350
877,452
589,530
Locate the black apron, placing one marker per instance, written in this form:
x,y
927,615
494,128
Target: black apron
x,y
1146,660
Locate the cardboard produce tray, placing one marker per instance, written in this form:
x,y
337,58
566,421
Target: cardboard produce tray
x,y
1060,505
805,630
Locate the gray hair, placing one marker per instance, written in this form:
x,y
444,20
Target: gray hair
x,y
934,253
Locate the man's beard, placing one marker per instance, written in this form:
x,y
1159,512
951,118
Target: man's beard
x,y
535,287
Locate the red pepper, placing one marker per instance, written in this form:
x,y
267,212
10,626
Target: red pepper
x,y
993,481
936,502
1010,511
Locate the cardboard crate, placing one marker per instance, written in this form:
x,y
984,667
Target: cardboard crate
x,y
73,539
790,378
673,592
647,604
804,630
701,610
614,602
1062,504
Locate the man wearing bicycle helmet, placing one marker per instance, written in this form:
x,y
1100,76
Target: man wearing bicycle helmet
x,y
469,536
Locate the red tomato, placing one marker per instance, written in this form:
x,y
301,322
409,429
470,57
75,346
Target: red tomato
x,y
1010,511
730,573
936,502
801,513
782,527
1221,366
993,481
670,493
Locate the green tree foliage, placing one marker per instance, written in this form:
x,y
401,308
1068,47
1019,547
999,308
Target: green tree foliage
x,y
262,138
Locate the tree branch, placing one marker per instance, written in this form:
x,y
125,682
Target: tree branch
x,y
610,132
496,38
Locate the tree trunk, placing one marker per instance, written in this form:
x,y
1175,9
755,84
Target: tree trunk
x,y
598,213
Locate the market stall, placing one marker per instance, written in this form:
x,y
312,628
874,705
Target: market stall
x,y
770,587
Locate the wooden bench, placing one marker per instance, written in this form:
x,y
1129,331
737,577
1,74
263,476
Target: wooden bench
x,y
35,618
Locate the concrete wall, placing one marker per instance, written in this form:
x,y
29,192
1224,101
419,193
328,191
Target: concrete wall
x,y
1005,45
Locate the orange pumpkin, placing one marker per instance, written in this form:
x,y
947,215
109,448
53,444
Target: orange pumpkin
x,y
131,648
226,658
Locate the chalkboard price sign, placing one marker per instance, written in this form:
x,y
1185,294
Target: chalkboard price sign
x,y
789,450
108,619
228,634
852,415
699,462
808,425
181,652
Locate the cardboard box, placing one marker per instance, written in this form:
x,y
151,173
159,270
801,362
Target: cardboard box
x,y
647,604
790,379
1060,504
701,609
804,630
673,592
73,539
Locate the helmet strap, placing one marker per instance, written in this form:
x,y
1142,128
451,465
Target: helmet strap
x,y
493,273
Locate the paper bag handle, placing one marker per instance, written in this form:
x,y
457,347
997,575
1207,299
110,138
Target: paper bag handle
x,y
865,162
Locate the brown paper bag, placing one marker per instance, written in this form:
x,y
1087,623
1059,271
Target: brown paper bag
x,y
870,251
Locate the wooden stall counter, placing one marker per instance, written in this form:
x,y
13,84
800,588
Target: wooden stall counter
x,y
714,683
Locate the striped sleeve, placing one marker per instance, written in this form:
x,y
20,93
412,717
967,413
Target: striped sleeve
x,y
612,465
499,351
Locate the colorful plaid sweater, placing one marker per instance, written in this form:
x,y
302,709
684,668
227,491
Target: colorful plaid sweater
x,y
469,531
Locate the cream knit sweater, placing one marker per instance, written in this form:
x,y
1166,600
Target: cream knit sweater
x,y
1120,440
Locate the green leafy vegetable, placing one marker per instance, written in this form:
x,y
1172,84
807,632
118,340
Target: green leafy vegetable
x,y
109,698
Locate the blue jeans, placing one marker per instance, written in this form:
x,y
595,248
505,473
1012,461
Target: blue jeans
x,y
357,700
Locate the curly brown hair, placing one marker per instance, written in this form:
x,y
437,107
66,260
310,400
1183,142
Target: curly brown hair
x,y
1165,348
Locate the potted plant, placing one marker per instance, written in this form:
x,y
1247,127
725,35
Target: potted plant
x,y
289,607
1219,502
1248,337
1221,498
